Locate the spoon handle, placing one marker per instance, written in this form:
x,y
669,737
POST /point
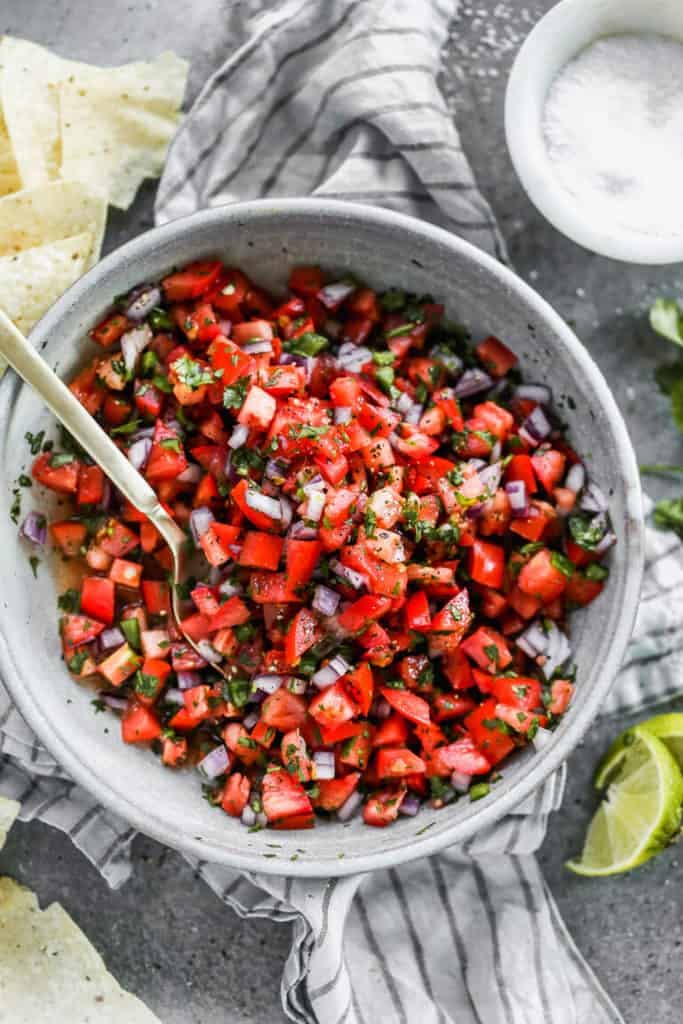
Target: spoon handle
x,y
21,355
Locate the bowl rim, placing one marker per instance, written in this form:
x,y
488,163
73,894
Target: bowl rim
x,y
544,761
527,149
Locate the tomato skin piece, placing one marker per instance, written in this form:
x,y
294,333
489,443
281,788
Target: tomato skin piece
x,y
332,706
383,806
98,598
360,685
139,725
487,564
284,797
333,793
301,558
304,631
396,762
408,704
284,710
63,479
461,756
235,795
416,613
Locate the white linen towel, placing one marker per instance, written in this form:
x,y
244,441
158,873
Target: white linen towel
x,y
341,98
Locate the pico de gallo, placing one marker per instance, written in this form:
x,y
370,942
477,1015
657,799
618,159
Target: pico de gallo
x,y
390,529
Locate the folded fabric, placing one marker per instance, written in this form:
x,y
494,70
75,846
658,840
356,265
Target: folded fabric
x,y
341,99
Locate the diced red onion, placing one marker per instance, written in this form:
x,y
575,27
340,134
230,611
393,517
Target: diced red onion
x,y
342,414
209,652
315,484
382,708
286,511
113,702
257,348
491,476
593,499
250,720
575,478
350,576
536,426
143,432
350,806
239,436
542,738
606,543
276,470
227,588
105,501
34,528
270,488
331,328
325,600
174,696
472,382
496,452
292,359
296,685
324,764
225,327
533,640
186,679
315,505
138,453
460,782
340,664
353,357
301,531
191,475
476,464
410,805
110,638
557,652
133,343
519,500
200,521
248,816
404,403
450,360
269,682
414,414
263,503
332,295
262,819
533,393
325,676
216,762
143,302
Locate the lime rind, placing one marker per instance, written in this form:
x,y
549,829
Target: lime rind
x,y
641,810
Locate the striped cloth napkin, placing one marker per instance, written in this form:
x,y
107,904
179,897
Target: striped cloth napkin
x,y
341,98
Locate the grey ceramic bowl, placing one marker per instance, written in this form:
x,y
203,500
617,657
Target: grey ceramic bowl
x,y
266,238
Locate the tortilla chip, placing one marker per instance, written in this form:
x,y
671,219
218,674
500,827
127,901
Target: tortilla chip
x,y
8,812
116,124
28,98
50,971
48,213
30,281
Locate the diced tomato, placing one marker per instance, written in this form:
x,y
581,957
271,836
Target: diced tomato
x,y
139,725
416,612
488,649
301,558
487,564
70,536
304,631
333,793
382,808
360,686
90,486
549,468
117,539
284,797
174,751
495,357
260,550
110,329
98,598
125,573
493,743
157,597
193,281
412,707
541,578
561,693
332,705
59,472
521,467
120,665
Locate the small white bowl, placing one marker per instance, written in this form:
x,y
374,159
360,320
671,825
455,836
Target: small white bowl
x,y
558,37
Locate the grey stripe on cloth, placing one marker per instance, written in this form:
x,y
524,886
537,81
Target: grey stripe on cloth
x,y
341,98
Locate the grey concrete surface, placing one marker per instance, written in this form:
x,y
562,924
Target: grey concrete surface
x,y
164,935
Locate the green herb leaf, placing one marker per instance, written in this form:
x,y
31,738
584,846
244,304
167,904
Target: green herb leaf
x,y
666,319
668,515
191,373
393,300
34,441
562,563
171,444
234,395
69,601
308,344
127,428
159,320
585,531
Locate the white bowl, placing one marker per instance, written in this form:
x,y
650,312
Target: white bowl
x,y
557,38
266,239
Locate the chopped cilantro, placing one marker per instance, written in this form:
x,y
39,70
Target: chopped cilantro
x,y
159,320
587,532
234,394
383,358
668,515
308,344
34,562
562,563
59,459
34,440
69,601
191,373
171,444
370,522
127,428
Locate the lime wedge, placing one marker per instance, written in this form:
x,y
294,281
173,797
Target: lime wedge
x,y
668,729
641,810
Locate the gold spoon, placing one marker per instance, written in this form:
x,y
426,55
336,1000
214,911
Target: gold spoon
x,y
21,355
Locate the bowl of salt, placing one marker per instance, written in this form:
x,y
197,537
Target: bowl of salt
x,y
594,125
